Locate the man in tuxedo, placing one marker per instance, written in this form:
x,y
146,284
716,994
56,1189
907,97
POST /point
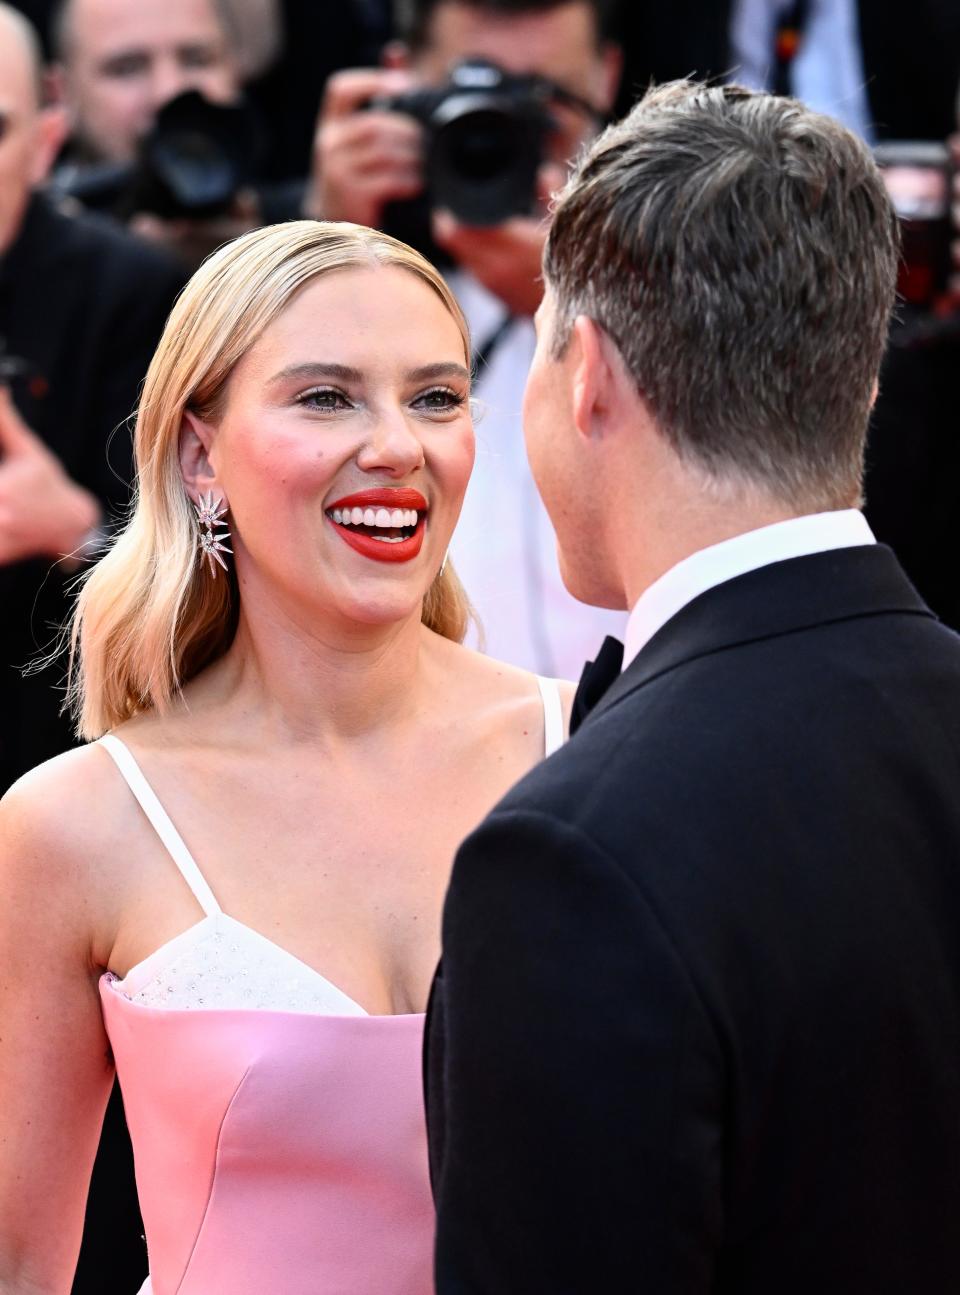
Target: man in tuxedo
x,y
697,1024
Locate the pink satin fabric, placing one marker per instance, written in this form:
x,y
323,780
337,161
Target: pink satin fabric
x,y
276,1152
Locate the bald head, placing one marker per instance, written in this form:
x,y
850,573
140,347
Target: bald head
x,y
30,134
20,55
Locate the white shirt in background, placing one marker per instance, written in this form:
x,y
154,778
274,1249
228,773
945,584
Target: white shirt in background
x,y
827,73
504,547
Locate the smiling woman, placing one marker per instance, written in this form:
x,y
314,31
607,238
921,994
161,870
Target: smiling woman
x,y
150,617
234,891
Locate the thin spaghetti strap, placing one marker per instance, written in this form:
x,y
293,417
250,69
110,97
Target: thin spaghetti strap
x,y
160,821
553,734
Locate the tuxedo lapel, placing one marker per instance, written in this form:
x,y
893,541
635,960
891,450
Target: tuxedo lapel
x,y
781,598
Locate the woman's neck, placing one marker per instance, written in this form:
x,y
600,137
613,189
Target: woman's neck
x,y
291,682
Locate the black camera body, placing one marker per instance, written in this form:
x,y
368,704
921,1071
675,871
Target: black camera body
x,y
486,131
191,165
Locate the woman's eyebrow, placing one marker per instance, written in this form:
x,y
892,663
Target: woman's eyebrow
x,y
430,372
315,370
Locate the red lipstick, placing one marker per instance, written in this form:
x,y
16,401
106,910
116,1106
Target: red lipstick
x,y
394,548
400,497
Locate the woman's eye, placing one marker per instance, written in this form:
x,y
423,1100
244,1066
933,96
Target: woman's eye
x,y
439,398
326,399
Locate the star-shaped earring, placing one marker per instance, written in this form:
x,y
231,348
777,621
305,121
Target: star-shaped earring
x,y
209,515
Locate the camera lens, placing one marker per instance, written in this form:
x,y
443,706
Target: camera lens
x,y
195,168
480,146
482,164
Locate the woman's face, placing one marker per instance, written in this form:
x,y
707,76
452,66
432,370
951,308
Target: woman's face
x,y
346,444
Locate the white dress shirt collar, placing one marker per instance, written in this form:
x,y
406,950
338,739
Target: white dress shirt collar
x,y
815,533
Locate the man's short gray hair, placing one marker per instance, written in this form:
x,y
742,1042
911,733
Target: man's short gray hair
x,y
741,252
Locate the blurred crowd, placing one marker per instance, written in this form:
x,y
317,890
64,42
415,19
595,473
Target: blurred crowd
x,y
138,135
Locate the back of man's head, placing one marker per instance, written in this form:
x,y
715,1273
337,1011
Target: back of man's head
x,y
741,252
412,18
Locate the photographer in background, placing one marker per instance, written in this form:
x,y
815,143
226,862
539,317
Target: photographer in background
x,y
546,62
81,308
119,63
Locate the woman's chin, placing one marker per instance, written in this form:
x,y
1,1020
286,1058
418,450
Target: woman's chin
x,y
381,607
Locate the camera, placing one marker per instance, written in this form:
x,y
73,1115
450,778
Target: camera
x,y
486,131
192,163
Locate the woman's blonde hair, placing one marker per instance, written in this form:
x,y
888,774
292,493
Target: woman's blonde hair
x,y
150,616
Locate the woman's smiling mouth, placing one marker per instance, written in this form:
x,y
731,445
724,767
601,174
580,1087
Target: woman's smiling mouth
x,y
387,525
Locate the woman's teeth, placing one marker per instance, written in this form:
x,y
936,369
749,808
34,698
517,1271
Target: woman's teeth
x,y
382,517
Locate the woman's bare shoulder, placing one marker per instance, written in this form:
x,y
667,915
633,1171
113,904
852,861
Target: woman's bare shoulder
x,y
507,690
66,809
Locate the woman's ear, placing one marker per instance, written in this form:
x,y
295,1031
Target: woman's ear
x,y
196,440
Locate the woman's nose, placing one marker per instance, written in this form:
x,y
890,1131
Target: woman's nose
x,y
393,446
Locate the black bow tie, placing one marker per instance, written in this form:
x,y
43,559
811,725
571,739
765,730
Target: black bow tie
x,y
597,677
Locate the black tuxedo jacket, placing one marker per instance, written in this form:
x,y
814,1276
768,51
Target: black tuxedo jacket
x,y
697,1026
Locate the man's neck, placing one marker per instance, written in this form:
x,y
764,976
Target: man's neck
x,y
677,526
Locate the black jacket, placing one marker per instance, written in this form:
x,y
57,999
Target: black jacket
x,y
84,303
697,1026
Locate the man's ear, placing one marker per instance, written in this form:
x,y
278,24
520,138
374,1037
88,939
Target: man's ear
x,y
196,441
585,345
52,127
599,380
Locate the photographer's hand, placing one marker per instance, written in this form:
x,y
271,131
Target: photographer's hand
x,y
42,512
363,159
507,259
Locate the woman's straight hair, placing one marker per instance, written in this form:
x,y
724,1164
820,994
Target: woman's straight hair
x,y
150,615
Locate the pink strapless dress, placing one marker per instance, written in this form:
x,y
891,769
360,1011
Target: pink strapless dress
x,y
278,1130
276,1153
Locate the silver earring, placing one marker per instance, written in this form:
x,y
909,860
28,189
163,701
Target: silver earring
x,y
211,544
443,564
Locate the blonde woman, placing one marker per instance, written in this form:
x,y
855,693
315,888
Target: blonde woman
x,y
233,892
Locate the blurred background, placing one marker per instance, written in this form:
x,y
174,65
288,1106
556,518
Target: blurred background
x,y
138,135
